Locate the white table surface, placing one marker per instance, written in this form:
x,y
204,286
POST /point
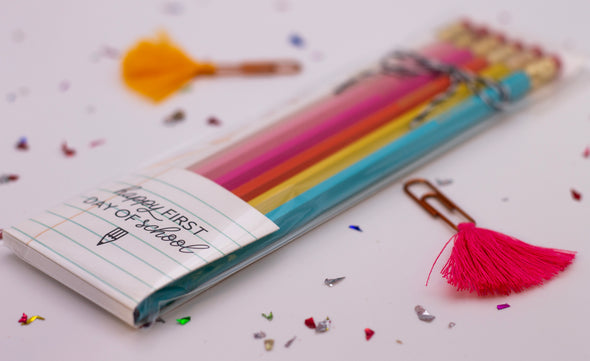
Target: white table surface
x,y
515,178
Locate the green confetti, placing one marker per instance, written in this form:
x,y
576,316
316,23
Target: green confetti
x,y
269,316
184,320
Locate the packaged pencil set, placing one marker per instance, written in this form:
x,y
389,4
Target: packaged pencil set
x,y
146,243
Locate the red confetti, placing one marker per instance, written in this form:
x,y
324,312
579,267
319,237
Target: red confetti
x,y
6,178
68,152
586,153
576,195
310,323
213,121
97,143
23,318
369,333
12,177
1,230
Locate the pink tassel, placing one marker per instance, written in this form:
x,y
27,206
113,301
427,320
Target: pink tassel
x,y
489,262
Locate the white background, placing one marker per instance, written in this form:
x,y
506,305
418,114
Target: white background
x,y
514,178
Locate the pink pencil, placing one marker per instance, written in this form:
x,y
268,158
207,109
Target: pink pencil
x,y
298,123
326,128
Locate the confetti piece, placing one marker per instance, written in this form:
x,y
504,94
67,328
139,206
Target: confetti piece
x,y
7,178
502,306
423,315
67,151
452,324
24,321
184,320
586,153
173,8
22,144
64,86
97,143
296,40
23,318
1,236
288,343
330,282
310,323
444,182
269,344
324,325
576,195
259,335
356,228
399,342
269,316
175,117
213,121
369,333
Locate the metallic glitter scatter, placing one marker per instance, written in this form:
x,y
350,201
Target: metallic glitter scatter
x,y
330,282
184,320
502,306
369,333
324,325
309,322
356,228
269,344
423,315
452,324
269,317
288,343
259,335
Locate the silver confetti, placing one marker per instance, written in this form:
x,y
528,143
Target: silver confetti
x,y
444,182
423,315
290,341
330,282
452,324
259,335
324,325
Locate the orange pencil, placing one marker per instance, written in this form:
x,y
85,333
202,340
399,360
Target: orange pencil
x,y
301,161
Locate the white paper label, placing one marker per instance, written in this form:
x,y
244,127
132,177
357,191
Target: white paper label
x,y
131,237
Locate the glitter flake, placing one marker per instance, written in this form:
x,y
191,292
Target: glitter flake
x,y
269,316
213,121
22,144
26,321
288,343
369,333
576,195
356,228
184,320
502,306
296,40
452,324
324,326
67,151
309,322
175,117
423,315
330,282
259,335
7,178
269,344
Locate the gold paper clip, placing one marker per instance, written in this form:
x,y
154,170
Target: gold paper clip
x,y
436,194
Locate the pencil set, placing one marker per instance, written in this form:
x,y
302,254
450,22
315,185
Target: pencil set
x,y
311,164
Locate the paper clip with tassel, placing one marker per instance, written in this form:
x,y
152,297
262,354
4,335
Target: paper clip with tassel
x,y
156,68
486,261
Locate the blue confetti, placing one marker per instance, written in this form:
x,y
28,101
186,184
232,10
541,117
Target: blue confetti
x,y
296,40
356,228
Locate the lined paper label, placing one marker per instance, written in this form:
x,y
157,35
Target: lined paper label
x,y
130,237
